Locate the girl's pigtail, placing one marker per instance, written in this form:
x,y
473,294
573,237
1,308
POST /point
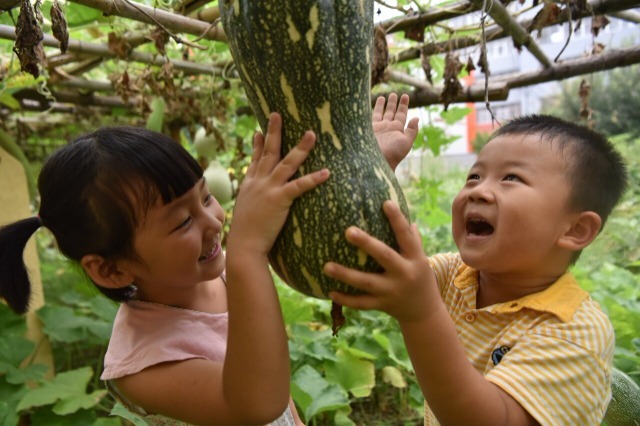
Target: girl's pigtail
x,y
15,286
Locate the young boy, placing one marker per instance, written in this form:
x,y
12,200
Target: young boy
x,y
501,333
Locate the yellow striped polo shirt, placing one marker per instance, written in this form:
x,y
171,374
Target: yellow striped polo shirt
x,y
551,351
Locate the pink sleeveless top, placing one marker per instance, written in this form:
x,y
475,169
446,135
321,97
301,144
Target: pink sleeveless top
x,y
146,334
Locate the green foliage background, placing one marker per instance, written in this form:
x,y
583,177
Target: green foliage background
x,y
361,377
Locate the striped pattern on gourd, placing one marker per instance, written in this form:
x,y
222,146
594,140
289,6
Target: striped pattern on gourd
x,y
310,61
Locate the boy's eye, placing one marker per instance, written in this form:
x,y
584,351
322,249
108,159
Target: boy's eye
x,y
512,178
473,176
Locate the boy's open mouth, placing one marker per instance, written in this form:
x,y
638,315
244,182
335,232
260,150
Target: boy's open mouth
x,y
479,227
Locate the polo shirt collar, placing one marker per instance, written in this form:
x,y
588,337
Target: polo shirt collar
x,y
562,298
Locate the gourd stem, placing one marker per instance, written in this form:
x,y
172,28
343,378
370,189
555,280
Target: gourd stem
x,y
337,318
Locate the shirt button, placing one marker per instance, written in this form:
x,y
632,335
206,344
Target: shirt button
x,y
470,317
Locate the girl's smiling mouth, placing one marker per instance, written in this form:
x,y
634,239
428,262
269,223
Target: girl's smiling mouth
x,y
211,254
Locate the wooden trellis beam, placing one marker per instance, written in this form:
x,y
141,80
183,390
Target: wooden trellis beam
x,y
102,50
172,21
499,87
511,27
594,7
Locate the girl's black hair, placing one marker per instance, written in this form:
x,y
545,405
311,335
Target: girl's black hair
x,y
93,193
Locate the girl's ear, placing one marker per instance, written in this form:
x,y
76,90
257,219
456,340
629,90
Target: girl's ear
x,y
106,273
584,229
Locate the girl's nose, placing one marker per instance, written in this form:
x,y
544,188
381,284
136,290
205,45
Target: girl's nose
x,y
211,222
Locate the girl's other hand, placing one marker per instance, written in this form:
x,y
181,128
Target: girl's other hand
x,y
267,193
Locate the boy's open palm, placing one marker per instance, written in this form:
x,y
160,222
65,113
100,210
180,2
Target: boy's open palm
x,y
267,193
405,287
394,139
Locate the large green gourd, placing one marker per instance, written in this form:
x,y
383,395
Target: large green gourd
x,y
310,61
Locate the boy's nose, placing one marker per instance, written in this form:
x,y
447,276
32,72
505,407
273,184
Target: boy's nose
x,y
481,193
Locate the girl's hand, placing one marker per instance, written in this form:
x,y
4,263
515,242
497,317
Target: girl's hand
x,y
267,193
407,285
394,139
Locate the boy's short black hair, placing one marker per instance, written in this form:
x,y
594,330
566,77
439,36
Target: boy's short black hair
x,y
598,174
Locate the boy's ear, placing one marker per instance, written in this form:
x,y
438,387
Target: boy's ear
x,y
106,273
584,229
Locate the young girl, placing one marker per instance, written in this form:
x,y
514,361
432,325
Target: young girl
x,y
197,338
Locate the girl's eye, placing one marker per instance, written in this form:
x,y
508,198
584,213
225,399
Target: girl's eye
x,y
208,199
185,223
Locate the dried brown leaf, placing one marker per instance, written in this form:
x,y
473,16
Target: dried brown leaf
x,y
425,61
452,86
160,38
29,36
598,23
118,45
482,61
546,16
416,33
585,93
598,48
59,26
380,55
470,66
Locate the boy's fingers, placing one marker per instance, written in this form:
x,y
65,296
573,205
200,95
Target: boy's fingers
x,y
392,103
378,109
406,234
360,301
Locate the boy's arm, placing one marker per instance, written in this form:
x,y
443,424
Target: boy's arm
x,y
407,290
394,139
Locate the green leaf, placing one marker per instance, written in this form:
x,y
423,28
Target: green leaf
x,y
314,394
45,416
75,403
342,418
352,373
65,386
14,350
8,100
393,376
121,411
454,114
7,415
12,324
33,372
103,421
156,117
62,324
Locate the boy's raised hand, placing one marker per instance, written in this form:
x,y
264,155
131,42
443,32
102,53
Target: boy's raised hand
x,y
394,139
267,193
407,284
